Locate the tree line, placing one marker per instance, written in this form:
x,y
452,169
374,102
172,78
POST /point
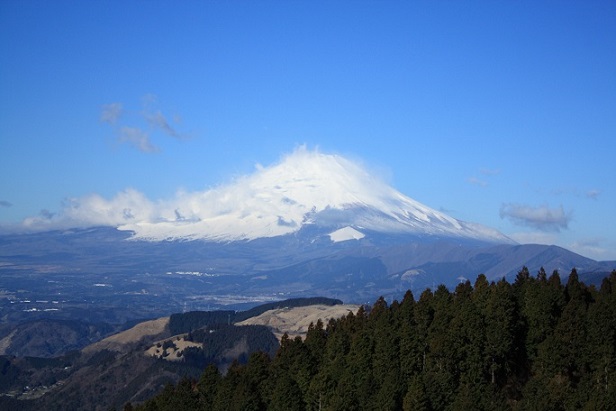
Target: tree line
x,y
534,344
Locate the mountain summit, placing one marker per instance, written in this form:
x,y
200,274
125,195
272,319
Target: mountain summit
x,y
305,188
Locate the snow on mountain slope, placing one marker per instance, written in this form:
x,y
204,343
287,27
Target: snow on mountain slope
x,y
306,187
345,234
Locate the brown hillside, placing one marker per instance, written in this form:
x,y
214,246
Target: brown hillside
x,y
295,321
117,341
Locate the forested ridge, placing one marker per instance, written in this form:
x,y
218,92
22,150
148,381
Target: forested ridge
x,y
193,320
535,344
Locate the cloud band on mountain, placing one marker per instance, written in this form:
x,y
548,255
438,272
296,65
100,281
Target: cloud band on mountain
x,y
304,188
542,218
93,210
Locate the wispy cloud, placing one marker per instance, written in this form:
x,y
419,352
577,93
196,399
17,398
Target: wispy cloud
x,y
158,120
46,215
593,194
137,130
4,203
486,173
596,248
591,247
534,237
489,172
111,113
542,218
137,138
477,182
91,210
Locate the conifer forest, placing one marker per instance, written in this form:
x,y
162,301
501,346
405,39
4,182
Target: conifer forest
x,y
535,344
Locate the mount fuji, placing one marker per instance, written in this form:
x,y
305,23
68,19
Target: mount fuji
x,y
306,189
313,224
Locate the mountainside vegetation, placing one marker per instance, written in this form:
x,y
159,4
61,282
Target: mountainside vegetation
x,y
120,369
534,344
50,338
193,320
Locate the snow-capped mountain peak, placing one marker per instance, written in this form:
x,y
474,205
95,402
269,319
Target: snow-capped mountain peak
x,y
306,187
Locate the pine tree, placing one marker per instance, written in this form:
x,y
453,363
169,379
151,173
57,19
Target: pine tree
x,y
416,398
602,345
315,343
500,320
440,380
410,347
467,336
322,388
424,315
207,386
357,379
286,395
227,387
385,359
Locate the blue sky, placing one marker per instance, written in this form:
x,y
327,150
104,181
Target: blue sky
x,y
501,113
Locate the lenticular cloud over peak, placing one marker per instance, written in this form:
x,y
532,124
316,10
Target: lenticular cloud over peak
x,y
305,187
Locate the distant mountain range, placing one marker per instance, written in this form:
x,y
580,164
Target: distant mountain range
x,y
315,224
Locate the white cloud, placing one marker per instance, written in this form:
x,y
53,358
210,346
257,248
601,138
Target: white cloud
x,y
534,238
591,247
111,113
158,120
137,138
543,217
477,182
489,172
92,210
481,182
593,194
136,130
594,248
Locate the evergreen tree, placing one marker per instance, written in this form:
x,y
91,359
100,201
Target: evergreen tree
x,y
315,343
500,321
424,314
409,343
540,312
570,333
357,379
602,346
416,398
286,395
467,336
322,388
440,379
207,386
227,387
385,359
531,345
